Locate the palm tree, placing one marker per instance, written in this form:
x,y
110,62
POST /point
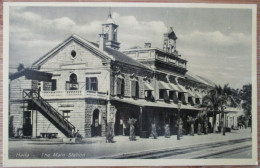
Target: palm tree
x,y
217,100
224,93
212,103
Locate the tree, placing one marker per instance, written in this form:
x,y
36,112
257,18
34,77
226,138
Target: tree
x,y
212,103
246,97
217,100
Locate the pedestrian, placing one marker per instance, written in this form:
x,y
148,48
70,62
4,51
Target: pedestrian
x,y
131,122
180,127
191,122
167,131
206,125
153,132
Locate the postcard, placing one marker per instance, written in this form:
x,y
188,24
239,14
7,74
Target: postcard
x,y
129,84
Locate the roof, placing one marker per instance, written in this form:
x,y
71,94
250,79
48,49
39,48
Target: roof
x,y
107,53
121,57
199,79
31,74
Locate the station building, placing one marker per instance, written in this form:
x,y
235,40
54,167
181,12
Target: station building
x,y
83,85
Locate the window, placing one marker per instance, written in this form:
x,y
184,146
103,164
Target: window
x,y
92,84
190,100
120,87
73,83
180,96
171,95
73,78
134,89
73,54
197,101
53,85
148,95
106,37
66,115
161,93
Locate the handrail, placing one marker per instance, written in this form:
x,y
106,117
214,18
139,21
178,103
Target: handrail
x,y
30,93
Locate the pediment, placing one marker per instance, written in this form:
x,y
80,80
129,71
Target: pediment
x,y
74,50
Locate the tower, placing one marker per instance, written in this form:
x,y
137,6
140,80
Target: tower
x,y
109,29
169,41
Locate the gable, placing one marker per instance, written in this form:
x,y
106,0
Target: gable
x,y
73,50
72,56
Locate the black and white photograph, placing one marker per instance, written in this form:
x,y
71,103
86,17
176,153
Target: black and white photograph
x,y
133,84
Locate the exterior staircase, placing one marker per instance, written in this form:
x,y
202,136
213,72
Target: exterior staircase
x,y
51,114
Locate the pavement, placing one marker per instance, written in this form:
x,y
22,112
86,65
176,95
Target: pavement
x,y
96,147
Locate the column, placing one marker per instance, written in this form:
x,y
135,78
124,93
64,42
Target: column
x,y
34,123
141,122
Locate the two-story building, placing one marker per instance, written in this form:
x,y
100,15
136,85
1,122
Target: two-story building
x,y
82,85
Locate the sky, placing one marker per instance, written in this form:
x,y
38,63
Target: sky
x,y
217,43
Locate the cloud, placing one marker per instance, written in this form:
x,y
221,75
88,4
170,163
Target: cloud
x,y
221,57
28,30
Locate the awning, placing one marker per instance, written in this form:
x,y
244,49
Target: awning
x,y
32,74
147,86
163,85
144,103
198,95
120,76
190,94
182,89
173,87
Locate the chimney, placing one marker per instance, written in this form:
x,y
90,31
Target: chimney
x,y
102,41
147,45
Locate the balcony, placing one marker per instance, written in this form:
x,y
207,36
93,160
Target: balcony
x,y
71,94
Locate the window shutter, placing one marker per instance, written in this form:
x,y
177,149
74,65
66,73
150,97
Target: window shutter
x,y
118,86
87,83
133,88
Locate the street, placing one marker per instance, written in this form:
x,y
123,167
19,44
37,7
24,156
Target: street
x,y
236,144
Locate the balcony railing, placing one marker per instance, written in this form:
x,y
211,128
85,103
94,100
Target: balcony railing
x,y
61,94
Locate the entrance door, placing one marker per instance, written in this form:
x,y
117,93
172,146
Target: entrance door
x,y
96,127
118,125
27,123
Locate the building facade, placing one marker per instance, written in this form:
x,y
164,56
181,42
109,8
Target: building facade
x,y
82,85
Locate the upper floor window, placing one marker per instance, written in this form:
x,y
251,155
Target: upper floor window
x,y
190,100
120,87
161,93
73,53
92,84
134,89
72,84
180,96
53,85
197,101
73,78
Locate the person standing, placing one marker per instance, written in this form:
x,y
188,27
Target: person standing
x,y
154,132
167,131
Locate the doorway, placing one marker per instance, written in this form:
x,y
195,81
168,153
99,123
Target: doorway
x,y
96,126
27,123
118,124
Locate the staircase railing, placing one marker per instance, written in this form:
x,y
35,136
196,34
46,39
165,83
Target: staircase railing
x,y
59,119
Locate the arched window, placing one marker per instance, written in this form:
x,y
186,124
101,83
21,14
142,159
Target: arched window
x,y
73,78
72,84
